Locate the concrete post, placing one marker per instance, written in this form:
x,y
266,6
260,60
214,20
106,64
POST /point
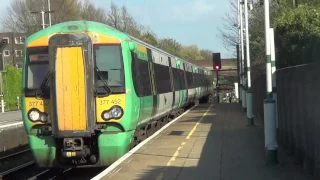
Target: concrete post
x,y
273,72
238,53
49,8
243,90
249,91
42,16
269,103
18,103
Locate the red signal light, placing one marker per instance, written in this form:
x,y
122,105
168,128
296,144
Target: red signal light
x,y
217,67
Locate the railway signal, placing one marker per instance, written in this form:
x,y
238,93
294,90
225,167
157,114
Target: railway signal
x,y
216,61
217,68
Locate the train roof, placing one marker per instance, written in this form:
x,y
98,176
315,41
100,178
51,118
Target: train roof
x,y
100,28
164,52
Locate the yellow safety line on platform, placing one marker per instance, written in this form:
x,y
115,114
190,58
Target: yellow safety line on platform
x,y
173,158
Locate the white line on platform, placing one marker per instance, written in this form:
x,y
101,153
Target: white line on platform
x,y
9,125
132,151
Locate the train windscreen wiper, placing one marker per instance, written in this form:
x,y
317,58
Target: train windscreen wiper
x,y
39,91
106,87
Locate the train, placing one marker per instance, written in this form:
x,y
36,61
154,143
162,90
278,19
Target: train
x,y
90,93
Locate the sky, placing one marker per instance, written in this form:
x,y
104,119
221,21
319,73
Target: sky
x,y
187,21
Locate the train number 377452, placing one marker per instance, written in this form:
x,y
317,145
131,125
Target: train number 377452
x,y
38,103
108,101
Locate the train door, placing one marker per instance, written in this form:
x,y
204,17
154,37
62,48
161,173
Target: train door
x,y
175,92
186,83
153,84
143,88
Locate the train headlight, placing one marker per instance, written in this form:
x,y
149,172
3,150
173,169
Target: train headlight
x,y
34,114
116,112
106,115
43,117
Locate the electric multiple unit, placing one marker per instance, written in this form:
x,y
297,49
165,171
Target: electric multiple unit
x,y
90,90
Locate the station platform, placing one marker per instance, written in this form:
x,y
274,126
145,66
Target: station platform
x,y
208,142
10,118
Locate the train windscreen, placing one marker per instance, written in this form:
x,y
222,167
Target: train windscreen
x,y
37,67
109,65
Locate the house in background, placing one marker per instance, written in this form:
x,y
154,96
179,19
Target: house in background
x,y
14,51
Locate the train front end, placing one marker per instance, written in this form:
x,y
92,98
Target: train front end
x,y
74,105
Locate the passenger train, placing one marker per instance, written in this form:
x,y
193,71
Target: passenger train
x,y
91,92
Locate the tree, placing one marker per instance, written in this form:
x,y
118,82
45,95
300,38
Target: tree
x,y
19,18
191,53
257,38
120,19
150,38
299,32
90,12
228,33
170,45
206,54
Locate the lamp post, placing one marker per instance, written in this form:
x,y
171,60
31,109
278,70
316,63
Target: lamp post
x,y
238,55
269,103
49,9
249,91
243,90
273,72
42,15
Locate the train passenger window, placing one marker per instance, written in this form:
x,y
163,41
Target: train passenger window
x,y
182,80
109,61
162,77
176,79
190,80
145,77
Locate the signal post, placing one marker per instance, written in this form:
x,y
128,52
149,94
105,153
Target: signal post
x,y
217,67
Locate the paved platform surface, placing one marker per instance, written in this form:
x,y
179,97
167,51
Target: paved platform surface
x,y
217,146
11,117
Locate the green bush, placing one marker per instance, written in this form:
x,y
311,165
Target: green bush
x,y
297,36
12,87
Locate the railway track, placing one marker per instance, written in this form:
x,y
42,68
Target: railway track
x,y
14,162
13,154
70,174
15,169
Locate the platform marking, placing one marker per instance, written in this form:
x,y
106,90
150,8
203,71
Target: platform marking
x,y
13,124
132,151
129,160
115,172
175,155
